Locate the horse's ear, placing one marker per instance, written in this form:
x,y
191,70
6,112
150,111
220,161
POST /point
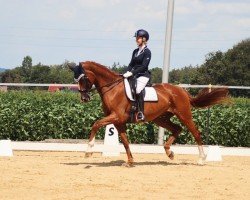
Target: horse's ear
x,y
71,66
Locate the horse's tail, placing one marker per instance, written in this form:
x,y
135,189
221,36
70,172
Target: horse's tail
x,y
206,98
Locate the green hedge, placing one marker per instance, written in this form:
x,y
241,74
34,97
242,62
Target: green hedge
x,y
27,115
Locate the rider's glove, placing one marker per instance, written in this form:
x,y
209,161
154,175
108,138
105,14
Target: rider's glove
x,y
127,74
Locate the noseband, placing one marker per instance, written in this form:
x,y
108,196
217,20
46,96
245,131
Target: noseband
x,y
86,83
80,73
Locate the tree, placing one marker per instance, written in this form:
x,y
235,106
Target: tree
x,y
116,67
27,62
11,76
60,74
229,68
26,68
39,74
156,75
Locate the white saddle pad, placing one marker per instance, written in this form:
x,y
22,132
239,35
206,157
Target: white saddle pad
x,y
150,92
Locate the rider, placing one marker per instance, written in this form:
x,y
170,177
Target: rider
x,y
138,68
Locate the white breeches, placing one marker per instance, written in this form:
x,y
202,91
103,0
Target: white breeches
x,y
141,82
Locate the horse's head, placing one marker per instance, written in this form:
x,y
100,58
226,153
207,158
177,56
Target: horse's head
x,y
80,77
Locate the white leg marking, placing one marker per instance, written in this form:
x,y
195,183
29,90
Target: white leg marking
x,y
90,145
202,155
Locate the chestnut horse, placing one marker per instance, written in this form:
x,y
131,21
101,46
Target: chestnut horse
x,y
172,100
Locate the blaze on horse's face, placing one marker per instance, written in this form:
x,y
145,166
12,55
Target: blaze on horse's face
x,y
84,84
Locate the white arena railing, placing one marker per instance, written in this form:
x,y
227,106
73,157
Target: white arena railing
x,y
73,85
36,84
214,86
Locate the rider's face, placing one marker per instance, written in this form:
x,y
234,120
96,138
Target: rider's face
x,y
139,41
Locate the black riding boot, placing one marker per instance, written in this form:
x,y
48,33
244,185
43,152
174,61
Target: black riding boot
x,y
140,101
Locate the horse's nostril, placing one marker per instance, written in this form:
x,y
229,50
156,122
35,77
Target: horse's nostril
x,y
84,99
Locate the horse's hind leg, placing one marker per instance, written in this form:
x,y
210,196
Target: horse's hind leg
x,y
186,119
164,121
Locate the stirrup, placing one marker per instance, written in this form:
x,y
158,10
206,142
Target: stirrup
x,y
140,116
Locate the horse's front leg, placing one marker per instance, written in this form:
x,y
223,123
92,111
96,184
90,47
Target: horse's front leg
x,y
122,132
110,119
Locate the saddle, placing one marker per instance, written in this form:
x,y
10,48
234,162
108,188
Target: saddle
x,y
148,93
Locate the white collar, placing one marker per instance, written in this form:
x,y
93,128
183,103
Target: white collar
x,y
141,49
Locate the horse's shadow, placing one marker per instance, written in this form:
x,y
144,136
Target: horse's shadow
x,y
121,162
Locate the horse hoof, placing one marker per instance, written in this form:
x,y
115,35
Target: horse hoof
x,y
88,154
127,164
201,162
171,155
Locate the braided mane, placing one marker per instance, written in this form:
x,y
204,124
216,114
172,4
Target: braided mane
x,y
105,69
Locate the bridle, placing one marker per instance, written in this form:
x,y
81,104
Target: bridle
x,y
88,86
85,81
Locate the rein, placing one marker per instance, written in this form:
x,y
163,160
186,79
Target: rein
x,y
107,85
110,84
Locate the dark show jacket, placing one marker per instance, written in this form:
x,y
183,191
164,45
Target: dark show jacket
x,y
139,63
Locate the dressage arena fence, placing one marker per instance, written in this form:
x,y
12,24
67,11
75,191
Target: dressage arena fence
x,y
36,116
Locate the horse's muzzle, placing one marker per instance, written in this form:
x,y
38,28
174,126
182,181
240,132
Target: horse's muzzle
x,y
85,97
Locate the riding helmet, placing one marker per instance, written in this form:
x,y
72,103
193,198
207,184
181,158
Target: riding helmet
x,y
142,33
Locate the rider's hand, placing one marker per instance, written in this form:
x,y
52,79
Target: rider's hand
x,y
127,74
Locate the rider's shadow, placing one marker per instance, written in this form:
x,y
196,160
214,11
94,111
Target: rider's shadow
x,y
119,163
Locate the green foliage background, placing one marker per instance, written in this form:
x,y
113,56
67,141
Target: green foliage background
x,y
39,115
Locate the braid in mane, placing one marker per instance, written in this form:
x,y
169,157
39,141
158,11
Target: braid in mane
x,y
107,70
